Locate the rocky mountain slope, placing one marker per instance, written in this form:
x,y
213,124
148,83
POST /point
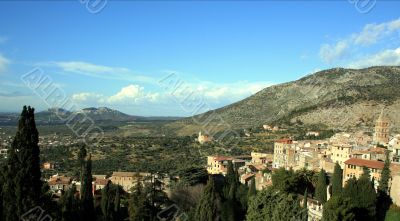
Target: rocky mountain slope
x,y
336,98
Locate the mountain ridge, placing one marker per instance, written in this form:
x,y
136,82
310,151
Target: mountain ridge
x,y
336,98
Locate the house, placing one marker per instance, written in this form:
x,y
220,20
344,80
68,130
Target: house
x,y
59,183
340,153
100,181
203,138
219,164
312,133
48,166
355,167
246,178
128,179
267,127
284,153
3,152
261,158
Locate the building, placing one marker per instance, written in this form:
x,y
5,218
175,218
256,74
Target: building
x,y
3,153
100,181
48,166
340,153
59,183
261,158
219,164
314,209
203,138
382,125
375,153
127,179
394,147
284,153
355,167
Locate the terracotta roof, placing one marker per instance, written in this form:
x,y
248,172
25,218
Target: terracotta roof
x,y
222,158
58,181
365,163
129,174
285,141
100,181
247,176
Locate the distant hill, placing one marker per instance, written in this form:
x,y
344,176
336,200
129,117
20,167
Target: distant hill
x,y
54,116
335,98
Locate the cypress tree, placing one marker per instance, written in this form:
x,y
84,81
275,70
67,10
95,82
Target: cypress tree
x,y
23,187
70,205
320,190
305,209
385,175
206,210
110,202
337,180
137,203
252,188
81,160
367,197
87,206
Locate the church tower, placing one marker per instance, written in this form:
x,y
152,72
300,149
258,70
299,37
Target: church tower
x,y
381,135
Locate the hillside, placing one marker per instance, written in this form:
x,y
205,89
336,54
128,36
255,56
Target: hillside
x,y
56,116
335,98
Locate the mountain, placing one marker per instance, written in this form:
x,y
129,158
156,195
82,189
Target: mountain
x,y
106,114
335,98
54,116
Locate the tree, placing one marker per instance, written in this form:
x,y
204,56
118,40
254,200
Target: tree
x,y
82,154
206,210
274,205
337,180
366,200
110,202
22,187
320,190
385,175
362,196
338,209
87,206
305,209
383,198
70,205
252,188
137,203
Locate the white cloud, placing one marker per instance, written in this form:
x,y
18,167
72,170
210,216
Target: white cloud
x,y
374,32
86,97
131,94
386,57
4,62
84,67
330,53
222,92
371,34
98,71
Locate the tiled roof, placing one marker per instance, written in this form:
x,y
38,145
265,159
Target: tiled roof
x,y
247,176
285,141
365,163
222,158
100,181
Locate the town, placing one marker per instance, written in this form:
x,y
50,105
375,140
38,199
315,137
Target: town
x,y
353,151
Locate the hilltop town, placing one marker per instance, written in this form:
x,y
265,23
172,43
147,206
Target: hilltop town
x,y
354,151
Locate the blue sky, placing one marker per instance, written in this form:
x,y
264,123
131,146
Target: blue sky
x,y
222,51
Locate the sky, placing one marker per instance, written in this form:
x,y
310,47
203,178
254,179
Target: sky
x,y
149,58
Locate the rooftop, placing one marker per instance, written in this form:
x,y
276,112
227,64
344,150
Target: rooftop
x,y
365,163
